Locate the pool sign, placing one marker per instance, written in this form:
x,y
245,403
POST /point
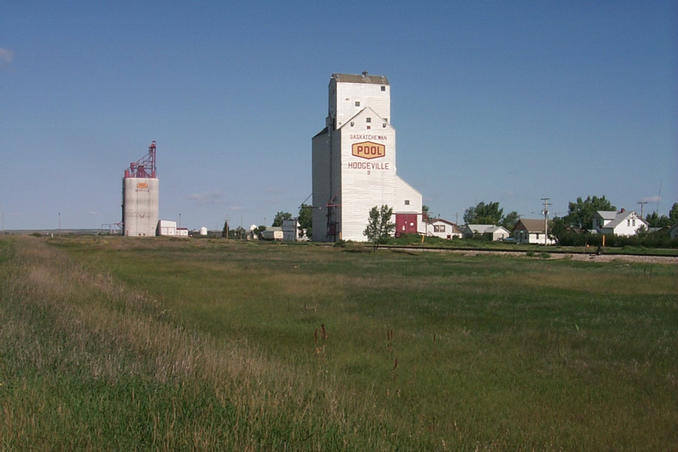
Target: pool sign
x,y
368,150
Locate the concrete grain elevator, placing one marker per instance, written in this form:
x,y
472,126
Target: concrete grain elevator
x,y
140,195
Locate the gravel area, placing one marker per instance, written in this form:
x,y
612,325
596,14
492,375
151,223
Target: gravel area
x,y
575,257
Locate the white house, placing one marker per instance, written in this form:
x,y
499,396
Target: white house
x,y
497,232
624,223
532,231
354,162
437,227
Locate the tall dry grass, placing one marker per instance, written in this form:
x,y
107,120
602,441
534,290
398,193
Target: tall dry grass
x,y
102,331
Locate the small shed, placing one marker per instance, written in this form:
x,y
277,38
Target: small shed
x,y
272,233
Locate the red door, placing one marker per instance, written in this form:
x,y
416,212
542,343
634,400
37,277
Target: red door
x,y
406,223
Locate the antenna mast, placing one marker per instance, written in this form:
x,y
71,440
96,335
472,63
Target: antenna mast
x,y
642,203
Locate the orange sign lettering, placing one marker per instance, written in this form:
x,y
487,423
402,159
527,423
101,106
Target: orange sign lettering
x,y
368,150
142,185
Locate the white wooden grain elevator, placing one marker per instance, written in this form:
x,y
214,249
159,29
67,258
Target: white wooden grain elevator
x,y
354,162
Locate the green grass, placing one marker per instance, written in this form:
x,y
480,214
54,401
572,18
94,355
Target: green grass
x,y
118,344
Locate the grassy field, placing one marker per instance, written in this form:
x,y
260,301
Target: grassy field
x,y
170,344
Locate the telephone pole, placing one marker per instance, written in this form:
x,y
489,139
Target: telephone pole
x,y
546,219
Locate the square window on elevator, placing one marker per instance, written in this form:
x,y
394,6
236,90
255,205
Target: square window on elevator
x,y
368,119
407,202
357,103
383,88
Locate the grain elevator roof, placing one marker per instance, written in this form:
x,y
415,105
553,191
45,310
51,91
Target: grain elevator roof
x,y
361,78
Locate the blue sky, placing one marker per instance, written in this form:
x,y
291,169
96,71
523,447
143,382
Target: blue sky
x,y
492,101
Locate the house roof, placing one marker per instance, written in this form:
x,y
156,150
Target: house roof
x,y
607,214
361,78
532,225
484,228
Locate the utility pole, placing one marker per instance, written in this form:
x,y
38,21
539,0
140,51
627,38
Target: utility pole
x,y
546,219
59,221
179,219
642,203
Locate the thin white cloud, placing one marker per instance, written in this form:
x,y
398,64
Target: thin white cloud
x,y
210,197
654,198
6,56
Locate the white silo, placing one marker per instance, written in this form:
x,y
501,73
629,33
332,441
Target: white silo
x,y
140,196
203,230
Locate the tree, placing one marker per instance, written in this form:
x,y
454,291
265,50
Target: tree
x,y
379,226
237,233
306,219
280,216
510,220
581,212
490,213
558,227
656,221
673,213
482,213
424,210
224,231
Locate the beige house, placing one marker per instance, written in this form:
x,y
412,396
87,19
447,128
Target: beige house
x,y
532,231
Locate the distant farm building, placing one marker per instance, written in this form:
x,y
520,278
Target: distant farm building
x,y
494,232
292,231
532,231
437,227
272,233
167,227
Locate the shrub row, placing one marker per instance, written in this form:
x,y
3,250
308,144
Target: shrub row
x,y
655,240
